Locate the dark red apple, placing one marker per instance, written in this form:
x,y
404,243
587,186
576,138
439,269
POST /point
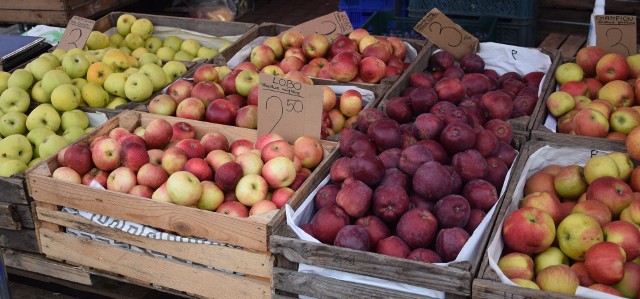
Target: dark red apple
x,y
424,255
480,194
449,243
221,111
440,61
340,170
390,203
432,181
470,164
376,229
501,129
450,90
368,116
399,109
327,222
475,83
395,177
417,228
457,137
419,79
475,217
496,172
453,71
353,237
497,104
452,211
472,63
428,126
393,246
228,175
367,168
412,157
354,198
437,151
385,133
326,196
422,99
390,158
486,143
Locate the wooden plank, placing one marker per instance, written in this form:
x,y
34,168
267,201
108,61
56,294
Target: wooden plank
x,y
237,260
13,189
33,4
9,216
24,216
48,17
39,264
24,240
553,40
447,279
571,46
487,289
163,272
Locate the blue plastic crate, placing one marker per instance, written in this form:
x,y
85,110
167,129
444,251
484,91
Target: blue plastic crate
x,y
371,5
520,32
358,16
495,8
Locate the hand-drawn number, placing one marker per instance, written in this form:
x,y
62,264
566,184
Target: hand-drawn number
x,y
450,29
328,26
619,39
295,105
513,54
266,106
73,32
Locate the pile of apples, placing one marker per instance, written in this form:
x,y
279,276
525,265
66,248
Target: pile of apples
x,y
135,37
410,188
220,95
598,94
358,57
577,226
164,162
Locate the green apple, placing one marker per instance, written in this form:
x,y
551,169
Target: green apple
x,y
20,78
149,58
74,118
14,99
44,116
75,65
16,147
206,53
143,27
551,256
173,42
174,69
13,123
222,71
72,133
115,102
166,53
51,145
577,233
37,135
53,79
116,59
66,97
156,75
34,162
125,49
98,72
94,95
38,94
190,46
182,55
59,52
115,84
131,70
137,53
97,40
133,41
153,44
79,82
89,130
11,167
138,87
116,39
4,78
124,22
40,66
78,51
52,58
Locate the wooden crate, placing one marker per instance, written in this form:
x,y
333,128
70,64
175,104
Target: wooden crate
x,y
215,28
251,257
523,124
488,284
271,29
55,12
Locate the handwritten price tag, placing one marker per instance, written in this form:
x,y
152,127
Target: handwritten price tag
x,y
336,22
289,108
76,33
446,34
617,34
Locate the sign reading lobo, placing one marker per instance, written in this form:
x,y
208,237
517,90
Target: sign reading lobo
x,y
289,108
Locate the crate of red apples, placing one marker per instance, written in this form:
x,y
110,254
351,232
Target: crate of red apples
x,y
568,225
219,188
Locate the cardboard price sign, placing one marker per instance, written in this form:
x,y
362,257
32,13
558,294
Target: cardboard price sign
x,y
76,33
289,108
617,34
446,34
334,23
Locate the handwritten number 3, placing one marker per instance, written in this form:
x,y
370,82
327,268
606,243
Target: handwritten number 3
x,y
619,39
266,106
447,27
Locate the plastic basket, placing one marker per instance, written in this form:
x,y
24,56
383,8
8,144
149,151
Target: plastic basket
x,y
496,8
371,5
519,32
387,24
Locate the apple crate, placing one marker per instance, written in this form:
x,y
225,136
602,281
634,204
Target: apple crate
x,y
488,283
233,31
246,250
500,58
270,29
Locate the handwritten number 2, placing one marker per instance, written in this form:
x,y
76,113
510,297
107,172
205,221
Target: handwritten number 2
x,y
617,43
266,106
443,28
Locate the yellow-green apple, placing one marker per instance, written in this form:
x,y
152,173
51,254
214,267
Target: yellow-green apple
x,y
589,122
281,196
214,140
11,167
97,40
190,46
212,197
629,286
206,91
551,256
142,27
165,53
97,175
66,174
366,41
596,209
279,172
624,163
277,148
182,55
14,99
149,58
338,120
612,66
588,57
155,74
308,150
158,133
275,45
37,135
13,123
624,234
569,182
114,84
174,69
180,90
184,188
605,262
206,53
558,279
234,209
559,103
577,233
261,56
173,160
43,115
79,82
223,71
106,154
351,103
634,65
250,163
205,72
247,117
262,206
315,45
619,93
39,66
139,131
516,265
66,97
292,39
218,157
272,70
251,188
4,78
138,87
151,175
75,65
51,145
116,59
72,134
124,22
137,53
173,42
613,192
525,283
94,95
97,72
155,155
191,108
357,34
569,71
152,44
546,202
328,98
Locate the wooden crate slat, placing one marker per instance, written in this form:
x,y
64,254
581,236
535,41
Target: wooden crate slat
x,y
553,40
39,264
166,273
571,46
9,218
24,216
487,289
24,239
33,4
237,260
13,190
